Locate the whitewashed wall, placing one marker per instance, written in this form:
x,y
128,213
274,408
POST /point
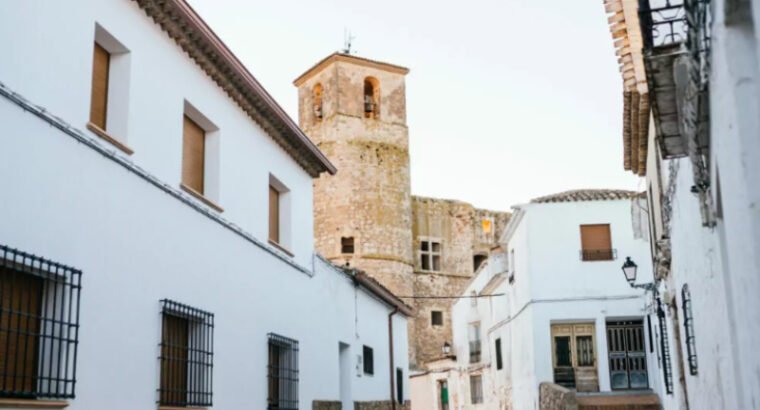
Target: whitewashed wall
x,y
137,244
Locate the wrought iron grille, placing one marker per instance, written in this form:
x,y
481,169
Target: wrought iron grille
x,y
39,326
283,373
475,351
187,356
667,371
663,23
598,254
688,327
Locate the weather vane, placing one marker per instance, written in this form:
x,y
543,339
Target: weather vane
x,y
348,38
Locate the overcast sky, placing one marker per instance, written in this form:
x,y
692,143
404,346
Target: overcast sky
x,y
506,100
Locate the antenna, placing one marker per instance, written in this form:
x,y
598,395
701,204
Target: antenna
x,y
348,38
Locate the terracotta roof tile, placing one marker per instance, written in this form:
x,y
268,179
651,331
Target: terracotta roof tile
x,y
578,195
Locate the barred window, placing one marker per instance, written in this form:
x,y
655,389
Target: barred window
x,y
283,373
368,360
39,326
187,355
688,327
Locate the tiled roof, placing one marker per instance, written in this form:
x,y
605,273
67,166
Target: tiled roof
x,y
578,195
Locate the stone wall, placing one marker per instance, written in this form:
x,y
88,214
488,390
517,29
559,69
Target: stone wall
x,y
381,405
326,405
555,397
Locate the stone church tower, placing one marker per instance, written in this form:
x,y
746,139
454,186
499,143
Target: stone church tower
x,y
354,109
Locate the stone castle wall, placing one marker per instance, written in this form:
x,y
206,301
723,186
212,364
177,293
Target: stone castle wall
x,y
369,199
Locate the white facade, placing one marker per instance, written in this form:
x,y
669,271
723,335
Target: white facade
x,y
72,197
545,282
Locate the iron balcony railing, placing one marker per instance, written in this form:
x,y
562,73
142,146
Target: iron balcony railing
x,y
663,23
475,351
598,254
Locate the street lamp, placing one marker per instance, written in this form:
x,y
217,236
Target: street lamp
x,y
629,271
446,348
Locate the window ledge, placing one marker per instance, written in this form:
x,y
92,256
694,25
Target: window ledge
x,y
115,142
201,197
33,404
281,248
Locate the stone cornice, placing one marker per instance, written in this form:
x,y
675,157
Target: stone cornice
x,y
194,36
347,58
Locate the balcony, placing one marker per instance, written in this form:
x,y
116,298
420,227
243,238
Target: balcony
x,y
674,41
475,351
590,255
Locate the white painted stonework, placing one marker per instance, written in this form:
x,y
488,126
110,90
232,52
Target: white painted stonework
x,y
138,238
550,285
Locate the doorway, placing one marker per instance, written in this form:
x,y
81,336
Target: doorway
x,y
443,395
346,399
574,356
627,355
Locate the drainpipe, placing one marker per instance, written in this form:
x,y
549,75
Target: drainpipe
x,y
390,348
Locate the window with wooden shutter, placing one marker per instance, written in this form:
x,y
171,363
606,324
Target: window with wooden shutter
x,y
596,243
193,155
20,298
99,93
174,348
274,215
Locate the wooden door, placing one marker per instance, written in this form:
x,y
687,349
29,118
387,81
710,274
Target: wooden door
x,y
574,356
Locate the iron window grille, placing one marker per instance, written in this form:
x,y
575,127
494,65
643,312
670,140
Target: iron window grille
x,y
187,356
282,373
665,349
475,351
368,360
39,326
476,389
688,326
598,254
663,22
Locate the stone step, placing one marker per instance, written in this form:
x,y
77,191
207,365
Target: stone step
x,y
634,401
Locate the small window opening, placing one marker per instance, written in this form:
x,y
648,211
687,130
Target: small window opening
x,y
478,260
436,318
430,255
317,95
371,98
347,244
368,360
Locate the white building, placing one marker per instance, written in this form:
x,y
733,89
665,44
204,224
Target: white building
x,y
559,310
140,152
690,74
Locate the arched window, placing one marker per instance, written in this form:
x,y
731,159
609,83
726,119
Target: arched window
x,y
317,99
371,97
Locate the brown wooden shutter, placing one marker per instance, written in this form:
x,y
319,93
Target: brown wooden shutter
x,y
596,242
193,155
174,351
99,94
274,215
20,298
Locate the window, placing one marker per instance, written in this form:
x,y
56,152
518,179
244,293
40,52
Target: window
x,y
368,360
109,92
476,389
39,325
474,338
186,355
430,255
512,266
193,155
371,98
347,244
279,214
99,93
499,363
283,373
473,299
436,318
688,327
317,97
596,243
274,214
478,260
399,385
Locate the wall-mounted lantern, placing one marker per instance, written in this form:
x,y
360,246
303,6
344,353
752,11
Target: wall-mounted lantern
x,y
630,270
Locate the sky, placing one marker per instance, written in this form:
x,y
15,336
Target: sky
x,y
507,100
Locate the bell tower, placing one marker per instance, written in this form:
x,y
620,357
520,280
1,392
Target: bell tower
x,y
354,109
